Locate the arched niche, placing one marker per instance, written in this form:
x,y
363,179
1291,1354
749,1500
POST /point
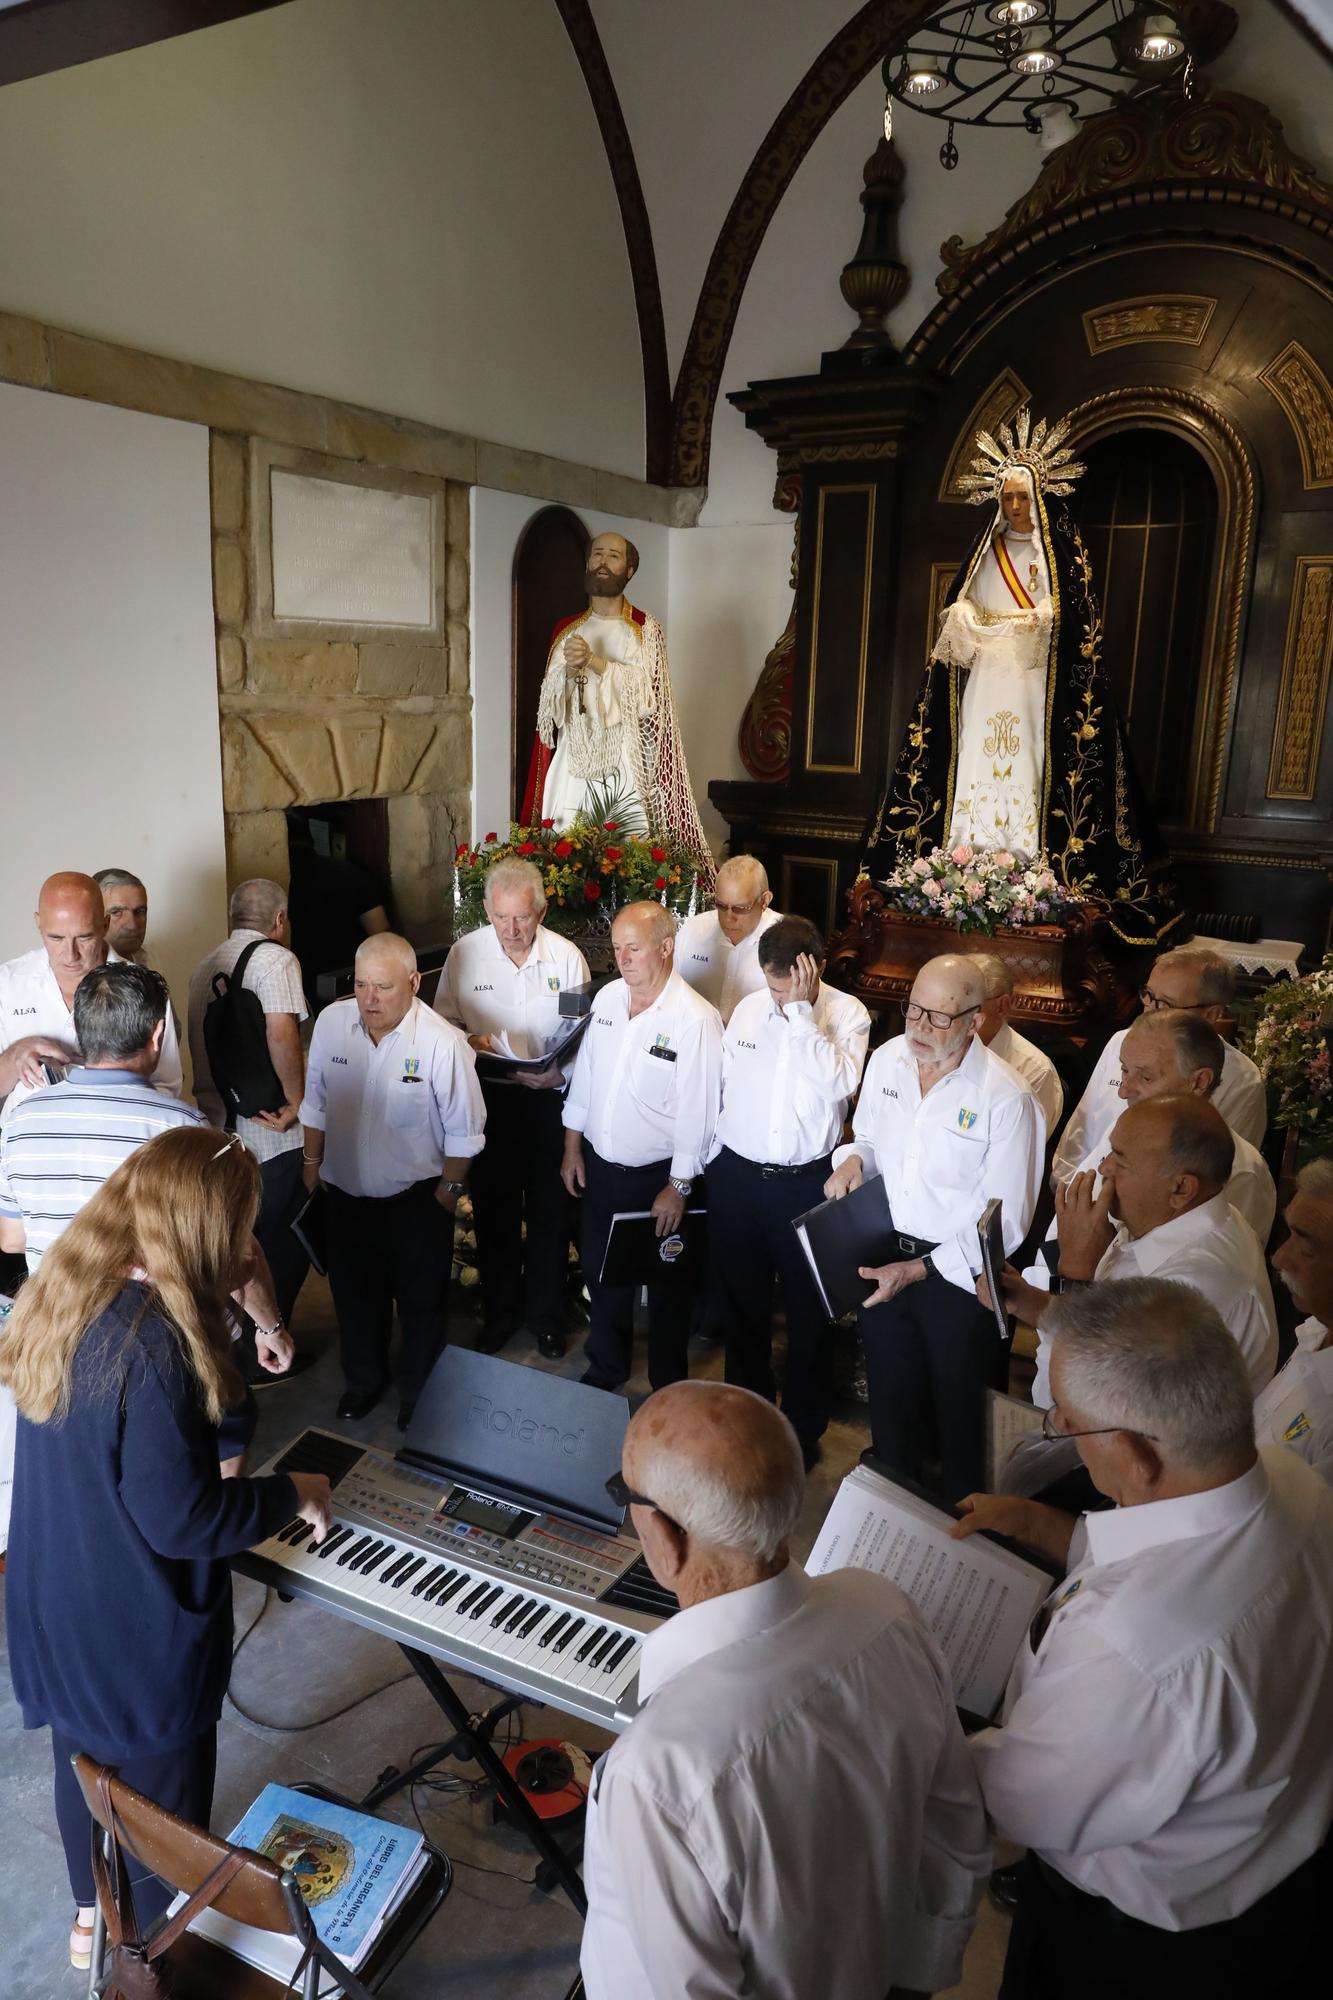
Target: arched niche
x,y
549,565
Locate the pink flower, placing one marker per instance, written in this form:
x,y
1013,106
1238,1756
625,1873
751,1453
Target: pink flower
x,y
1004,859
920,866
931,889
974,891
962,854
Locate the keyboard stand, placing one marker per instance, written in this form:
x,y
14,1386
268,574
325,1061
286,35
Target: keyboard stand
x,y
471,1742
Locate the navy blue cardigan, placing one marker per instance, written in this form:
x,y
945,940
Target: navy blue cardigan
x,y
117,1592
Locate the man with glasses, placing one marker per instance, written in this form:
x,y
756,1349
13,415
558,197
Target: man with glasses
x,y
1192,982
1163,1748
717,952
792,1812
950,1127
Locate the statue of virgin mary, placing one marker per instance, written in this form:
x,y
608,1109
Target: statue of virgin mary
x,y
1015,742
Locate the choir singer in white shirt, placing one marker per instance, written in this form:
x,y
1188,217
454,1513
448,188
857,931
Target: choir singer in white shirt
x,y
792,1813
1031,1064
717,952
792,1057
501,985
639,1118
1164,1750
950,1127
1296,1409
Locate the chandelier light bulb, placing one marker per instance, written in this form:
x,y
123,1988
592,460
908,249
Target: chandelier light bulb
x,y
1013,13
1037,57
1160,40
923,77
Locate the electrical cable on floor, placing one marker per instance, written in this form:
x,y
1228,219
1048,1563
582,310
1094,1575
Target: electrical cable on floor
x,y
297,1728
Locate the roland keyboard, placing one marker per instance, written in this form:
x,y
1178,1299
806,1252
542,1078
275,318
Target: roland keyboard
x,y
541,1606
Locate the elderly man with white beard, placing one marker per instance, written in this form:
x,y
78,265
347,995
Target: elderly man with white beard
x,y
950,1127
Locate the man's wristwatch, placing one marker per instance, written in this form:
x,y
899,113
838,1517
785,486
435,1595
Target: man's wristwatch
x,y
1059,1283
683,1188
451,1187
932,1269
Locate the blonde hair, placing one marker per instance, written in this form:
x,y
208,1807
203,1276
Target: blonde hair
x,y
182,1208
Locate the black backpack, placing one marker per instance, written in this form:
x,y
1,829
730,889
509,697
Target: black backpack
x,y
237,1044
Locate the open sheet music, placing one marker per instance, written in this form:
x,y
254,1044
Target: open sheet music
x,y
975,1598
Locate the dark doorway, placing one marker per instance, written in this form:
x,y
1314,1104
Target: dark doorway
x,y
549,563
338,857
1147,510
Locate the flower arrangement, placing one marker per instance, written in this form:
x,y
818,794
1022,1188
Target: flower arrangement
x,y
979,889
1289,1039
591,869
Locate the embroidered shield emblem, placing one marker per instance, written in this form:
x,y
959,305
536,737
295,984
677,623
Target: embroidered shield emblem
x,y
966,1120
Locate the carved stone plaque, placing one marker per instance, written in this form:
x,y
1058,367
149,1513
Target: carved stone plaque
x,y
351,555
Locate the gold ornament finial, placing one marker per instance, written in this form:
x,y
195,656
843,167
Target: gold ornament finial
x,y
1022,446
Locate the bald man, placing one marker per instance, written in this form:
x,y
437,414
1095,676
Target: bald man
x,y
391,1117
950,1127
606,721
792,1812
639,1119
1161,1212
37,992
717,952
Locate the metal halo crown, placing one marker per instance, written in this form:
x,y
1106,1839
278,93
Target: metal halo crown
x,y
1022,445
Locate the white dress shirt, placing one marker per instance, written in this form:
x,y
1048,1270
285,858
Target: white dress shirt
x,y
723,972
31,1003
791,1813
1167,1745
788,1074
1250,1188
1296,1409
391,1115
1240,1097
634,1106
1213,1248
1035,1068
483,992
975,1135
273,975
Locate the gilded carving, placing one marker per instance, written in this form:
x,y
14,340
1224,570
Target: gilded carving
x,y
1303,390
997,404
1298,732
1130,321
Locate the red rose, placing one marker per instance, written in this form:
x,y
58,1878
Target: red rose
x,y
548,823
613,853
592,891
610,825
564,848
527,847
658,854
460,850
492,836
660,883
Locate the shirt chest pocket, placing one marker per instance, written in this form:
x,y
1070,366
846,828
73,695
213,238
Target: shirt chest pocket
x,y
652,1081
959,1159
407,1102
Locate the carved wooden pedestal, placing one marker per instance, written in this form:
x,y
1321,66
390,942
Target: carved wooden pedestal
x,y
1061,981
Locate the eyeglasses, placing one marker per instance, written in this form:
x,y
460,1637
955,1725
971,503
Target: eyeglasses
x,y
736,909
1053,1436
625,1496
1154,1003
912,1012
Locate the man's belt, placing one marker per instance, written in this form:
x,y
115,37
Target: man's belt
x,y
914,1246
768,1171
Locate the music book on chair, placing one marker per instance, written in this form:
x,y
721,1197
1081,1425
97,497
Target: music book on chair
x,y
977,1598
637,1255
352,1869
839,1236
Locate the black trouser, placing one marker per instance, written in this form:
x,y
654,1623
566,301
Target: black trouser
x,y
750,1238
516,1180
385,1252
1068,1945
281,1196
931,1354
613,1190
181,1780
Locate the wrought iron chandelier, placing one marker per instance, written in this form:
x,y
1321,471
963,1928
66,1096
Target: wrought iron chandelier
x,y
1041,64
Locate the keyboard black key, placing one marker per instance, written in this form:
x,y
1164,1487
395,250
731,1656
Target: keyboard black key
x,y
438,1591
593,1639
571,1632
547,1637
528,1623
488,1602
617,1658
509,1605
372,1562
357,1549
604,1649
519,1613
457,1582
337,1538
432,1576
395,1568
473,1597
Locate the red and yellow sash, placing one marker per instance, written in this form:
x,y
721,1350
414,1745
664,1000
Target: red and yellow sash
x,y
1005,564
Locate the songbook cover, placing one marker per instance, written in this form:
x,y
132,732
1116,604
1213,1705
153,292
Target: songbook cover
x,y
637,1255
840,1236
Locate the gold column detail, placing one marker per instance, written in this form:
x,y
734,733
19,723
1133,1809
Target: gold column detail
x,y
1166,316
1298,731
1303,390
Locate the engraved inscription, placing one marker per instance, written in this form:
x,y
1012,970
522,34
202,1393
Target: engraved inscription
x,y
1299,730
351,555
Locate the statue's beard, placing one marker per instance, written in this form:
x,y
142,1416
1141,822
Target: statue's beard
x,y
603,582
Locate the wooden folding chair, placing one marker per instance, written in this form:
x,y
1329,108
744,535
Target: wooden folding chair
x,y
238,1884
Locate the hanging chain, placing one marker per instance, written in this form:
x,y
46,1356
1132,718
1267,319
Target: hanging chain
x,y
949,152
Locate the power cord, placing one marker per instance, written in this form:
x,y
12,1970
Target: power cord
x,y
297,1728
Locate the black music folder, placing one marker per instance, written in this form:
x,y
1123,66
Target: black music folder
x,y
990,1234
310,1227
839,1236
498,1066
637,1255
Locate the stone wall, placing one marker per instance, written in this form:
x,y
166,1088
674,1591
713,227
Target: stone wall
x,y
313,712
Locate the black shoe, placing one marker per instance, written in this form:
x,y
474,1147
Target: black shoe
x,y
352,1405
1005,1887
552,1345
592,1378
491,1338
